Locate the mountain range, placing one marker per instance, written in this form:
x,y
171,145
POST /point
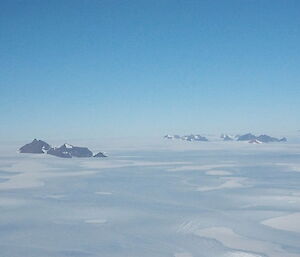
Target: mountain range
x,y
246,137
64,151
261,138
187,137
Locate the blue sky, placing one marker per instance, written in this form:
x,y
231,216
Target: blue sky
x,y
89,69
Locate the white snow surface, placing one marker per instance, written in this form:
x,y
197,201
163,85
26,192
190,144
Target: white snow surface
x,y
68,146
290,222
177,200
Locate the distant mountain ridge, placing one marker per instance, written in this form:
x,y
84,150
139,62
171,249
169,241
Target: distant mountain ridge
x,y
191,137
226,137
64,151
69,151
261,138
246,137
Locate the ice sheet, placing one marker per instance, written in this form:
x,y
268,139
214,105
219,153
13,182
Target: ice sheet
x,y
223,201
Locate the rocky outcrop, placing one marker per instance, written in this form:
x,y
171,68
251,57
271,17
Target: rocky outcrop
x,y
69,151
36,146
64,151
100,155
246,137
59,153
261,138
267,139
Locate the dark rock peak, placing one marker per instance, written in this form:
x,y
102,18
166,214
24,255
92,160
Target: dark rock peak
x,y
284,139
64,151
36,146
267,139
68,151
246,137
99,155
261,138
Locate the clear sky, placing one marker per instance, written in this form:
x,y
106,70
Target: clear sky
x,y
89,69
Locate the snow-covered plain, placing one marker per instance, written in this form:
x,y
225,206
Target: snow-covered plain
x,y
177,199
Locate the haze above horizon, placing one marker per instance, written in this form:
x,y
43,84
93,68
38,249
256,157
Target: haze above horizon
x,y
121,68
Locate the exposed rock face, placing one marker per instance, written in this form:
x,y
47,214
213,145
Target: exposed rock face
x,y
261,138
246,137
68,151
99,155
267,139
284,139
36,146
64,151
59,153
